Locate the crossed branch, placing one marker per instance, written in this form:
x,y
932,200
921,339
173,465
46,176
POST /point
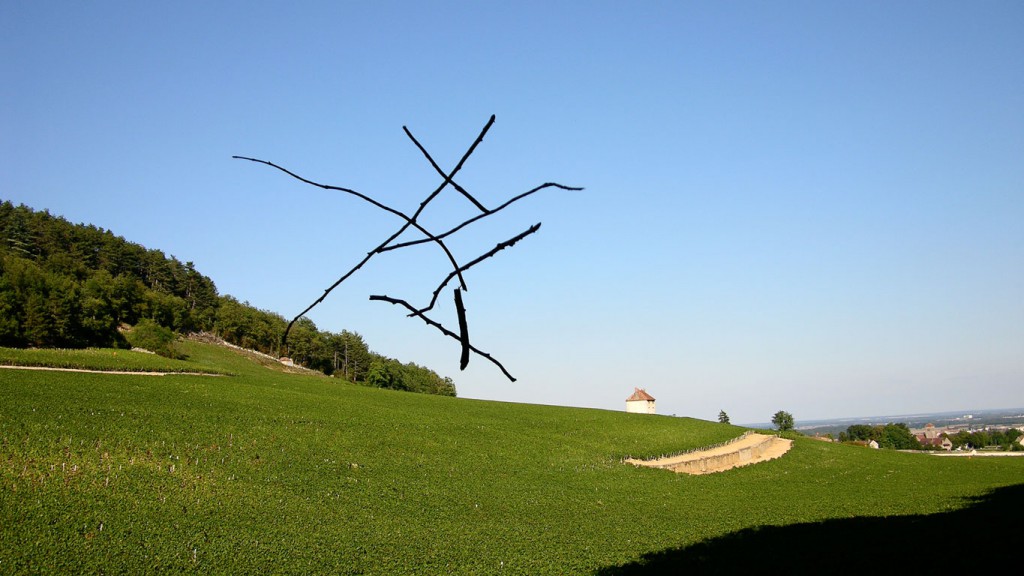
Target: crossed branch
x,y
412,221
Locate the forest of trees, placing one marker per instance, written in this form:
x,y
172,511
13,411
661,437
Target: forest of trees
x,y
72,286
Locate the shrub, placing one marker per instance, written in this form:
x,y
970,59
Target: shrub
x,y
151,336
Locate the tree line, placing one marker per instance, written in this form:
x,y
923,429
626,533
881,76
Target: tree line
x,y
1005,439
343,354
74,285
893,435
898,436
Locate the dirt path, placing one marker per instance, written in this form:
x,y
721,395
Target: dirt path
x,y
128,372
747,449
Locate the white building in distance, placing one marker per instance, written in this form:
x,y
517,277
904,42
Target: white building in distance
x,y
640,402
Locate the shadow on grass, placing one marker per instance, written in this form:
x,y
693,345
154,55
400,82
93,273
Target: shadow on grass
x,y
985,535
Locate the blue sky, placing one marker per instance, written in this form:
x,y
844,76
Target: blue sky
x,y
805,206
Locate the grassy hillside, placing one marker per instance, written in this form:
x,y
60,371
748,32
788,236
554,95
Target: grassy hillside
x,y
103,359
272,472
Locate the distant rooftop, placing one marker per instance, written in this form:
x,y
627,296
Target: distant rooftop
x,y
640,394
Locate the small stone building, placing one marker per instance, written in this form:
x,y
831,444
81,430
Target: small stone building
x,y
640,402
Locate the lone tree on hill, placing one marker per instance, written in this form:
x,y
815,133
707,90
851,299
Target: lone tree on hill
x,y
783,420
723,418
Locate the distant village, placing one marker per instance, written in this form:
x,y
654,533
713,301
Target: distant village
x,y
992,431
988,431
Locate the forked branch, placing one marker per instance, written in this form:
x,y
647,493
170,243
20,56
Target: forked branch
x,y
443,330
501,246
482,216
409,221
413,222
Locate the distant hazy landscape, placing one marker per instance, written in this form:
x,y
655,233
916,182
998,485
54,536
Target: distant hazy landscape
x,y
969,419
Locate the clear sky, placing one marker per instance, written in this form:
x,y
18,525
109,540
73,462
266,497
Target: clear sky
x,y
814,206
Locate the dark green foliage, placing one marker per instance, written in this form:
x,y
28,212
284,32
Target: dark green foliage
x,y
73,286
1005,439
723,418
42,308
783,421
244,325
352,357
305,346
344,355
896,436
393,375
860,433
151,336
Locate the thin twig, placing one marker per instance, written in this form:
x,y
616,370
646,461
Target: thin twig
x,y
408,222
498,248
481,216
412,221
443,330
447,177
327,186
284,337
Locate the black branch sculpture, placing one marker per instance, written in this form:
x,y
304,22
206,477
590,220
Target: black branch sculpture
x,y
412,221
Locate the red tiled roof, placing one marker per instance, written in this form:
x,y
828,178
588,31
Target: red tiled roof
x,y
640,394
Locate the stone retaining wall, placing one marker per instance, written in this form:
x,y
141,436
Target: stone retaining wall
x,y
704,464
715,459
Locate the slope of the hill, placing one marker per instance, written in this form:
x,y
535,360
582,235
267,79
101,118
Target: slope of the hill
x,y
65,285
271,472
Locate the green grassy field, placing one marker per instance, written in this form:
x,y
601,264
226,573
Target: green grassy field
x,y
264,472
107,359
